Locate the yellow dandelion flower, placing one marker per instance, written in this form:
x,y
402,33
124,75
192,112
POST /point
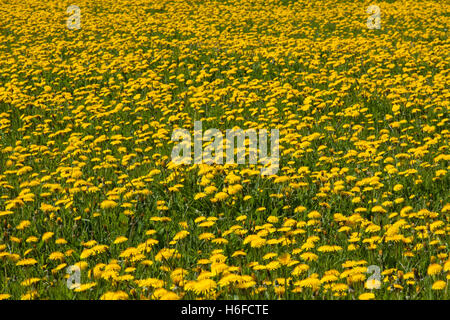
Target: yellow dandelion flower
x,y
300,209
26,262
56,256
120,240
114,295
366,296
85,287
204,286
434,269
29,282
108,204
439,285
47,236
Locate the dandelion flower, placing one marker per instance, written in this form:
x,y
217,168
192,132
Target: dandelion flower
x,y
366,296
434,269
439,285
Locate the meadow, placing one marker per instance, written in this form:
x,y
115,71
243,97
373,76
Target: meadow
x,y
360,205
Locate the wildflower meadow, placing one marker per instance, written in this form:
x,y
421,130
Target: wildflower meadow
x,y
108,190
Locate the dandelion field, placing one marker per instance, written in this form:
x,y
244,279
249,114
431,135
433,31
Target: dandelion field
x,y
359,208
